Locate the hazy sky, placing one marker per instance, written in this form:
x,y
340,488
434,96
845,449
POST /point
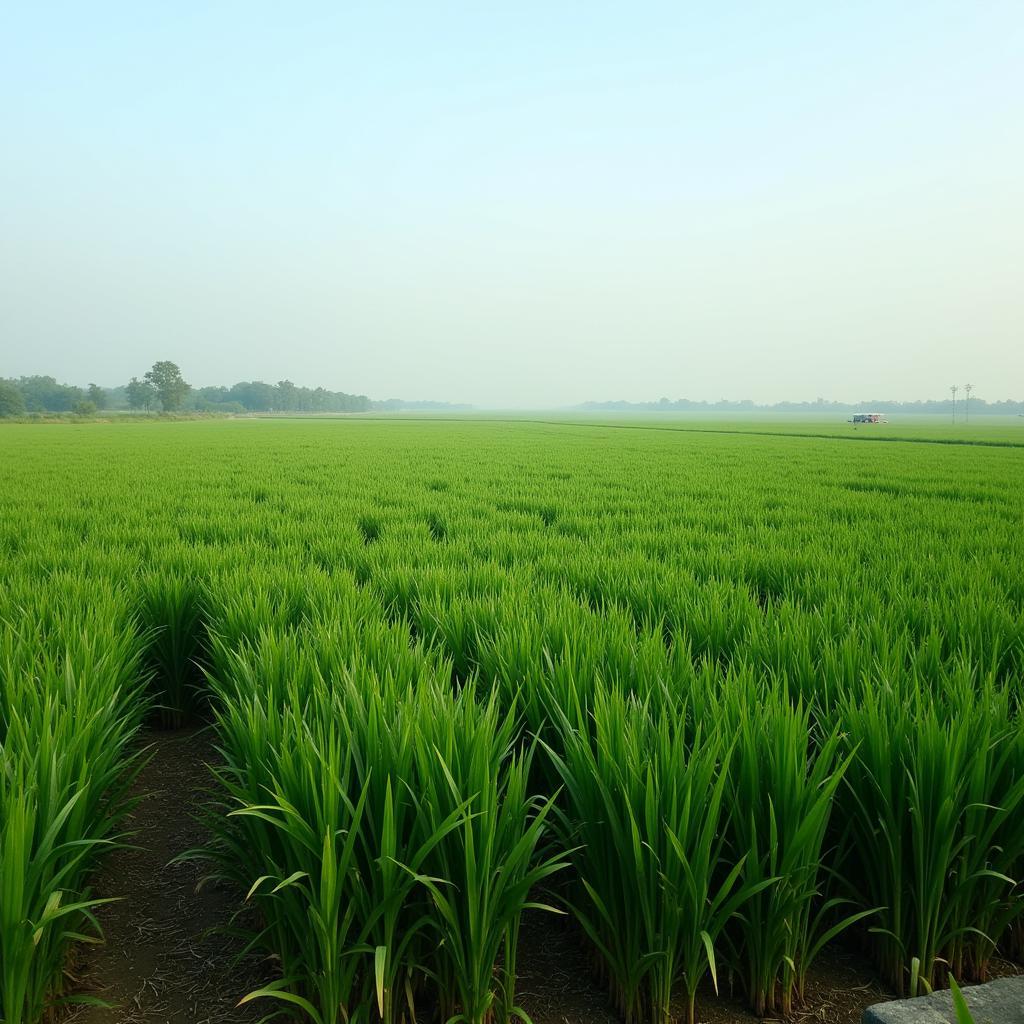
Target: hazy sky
x,y
526,203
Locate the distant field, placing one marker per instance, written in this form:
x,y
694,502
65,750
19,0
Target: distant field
x,y
982,430
1004,430
724,690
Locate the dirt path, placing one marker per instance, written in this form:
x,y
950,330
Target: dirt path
x,y
556,985
162,962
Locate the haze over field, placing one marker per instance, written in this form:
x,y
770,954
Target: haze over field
x,y
534,206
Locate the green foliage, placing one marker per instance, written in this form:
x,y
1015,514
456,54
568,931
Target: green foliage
x,y
141,394
783,782
742,693
933,807
647,815
170,609
412,846
44,394
960,1007
166,380
71,699
97,396
12,403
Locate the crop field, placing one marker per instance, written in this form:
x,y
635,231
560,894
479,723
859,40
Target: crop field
x,y
710,702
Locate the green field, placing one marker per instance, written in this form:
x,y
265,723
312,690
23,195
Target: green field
x,y
984,430
722,692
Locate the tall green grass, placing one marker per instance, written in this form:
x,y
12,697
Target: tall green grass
x,y
171,611
393,814
72,696
784,775
647,815
825,640
932,809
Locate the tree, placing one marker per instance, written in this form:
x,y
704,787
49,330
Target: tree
x,y
11,401
215,395
255,395
140,394
84,407
97,396
44,394
170,386
287,396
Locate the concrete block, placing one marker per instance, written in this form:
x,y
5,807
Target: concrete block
x,y
997,1002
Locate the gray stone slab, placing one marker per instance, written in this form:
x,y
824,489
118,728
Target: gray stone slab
x,y
997,1002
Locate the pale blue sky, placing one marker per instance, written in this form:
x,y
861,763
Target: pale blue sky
x,y
522,205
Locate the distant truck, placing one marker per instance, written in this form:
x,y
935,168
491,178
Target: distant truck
x,y
868,417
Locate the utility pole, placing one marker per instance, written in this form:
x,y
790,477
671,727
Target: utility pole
x,y
968,388
953,390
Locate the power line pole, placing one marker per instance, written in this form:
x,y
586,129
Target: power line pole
x,y
968,388
953,390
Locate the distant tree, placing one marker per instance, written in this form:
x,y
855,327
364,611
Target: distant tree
x,y
97,396
44,394
170,386
11,401
140,394
287,396
215,395
255,395
84,407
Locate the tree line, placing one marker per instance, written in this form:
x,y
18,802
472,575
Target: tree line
x,y
936,406
163,389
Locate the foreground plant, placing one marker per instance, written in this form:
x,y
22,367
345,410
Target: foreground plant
x,y
783,782
481,873
384,829
71,701
933,825
171,610
646,811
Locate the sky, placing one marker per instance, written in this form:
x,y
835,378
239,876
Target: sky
x,y
518,205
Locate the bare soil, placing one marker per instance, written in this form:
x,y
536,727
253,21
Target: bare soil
x,y
165,958
556,984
